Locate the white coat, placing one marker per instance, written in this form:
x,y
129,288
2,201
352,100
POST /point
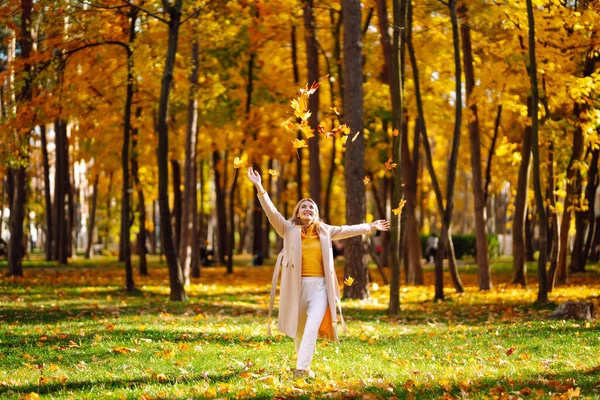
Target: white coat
x,y
290,263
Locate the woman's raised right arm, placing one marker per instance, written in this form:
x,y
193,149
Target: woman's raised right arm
x,y
275,218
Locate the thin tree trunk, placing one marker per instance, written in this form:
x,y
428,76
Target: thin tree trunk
x,y
482,256
312,63
175,272
189,205
61,185
299,194
221,211
47,194
535,150
2,197
551,210
445,238
107,240
141,202
354,261
177,201
488,168
200,236
92,226
590,195
126,186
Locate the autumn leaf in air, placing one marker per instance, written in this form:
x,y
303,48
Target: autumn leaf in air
x,y
355,136
307,131
334,110
366,180
395,132
238,163
389,165
398,211
273,173
298,144
349,281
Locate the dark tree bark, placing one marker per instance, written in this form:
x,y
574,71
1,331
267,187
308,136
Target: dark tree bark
x,y
535,150
61,185
445,238
141,202
312,63
47,194
177,201
552,215
126,186
92,226
482,256
520,214
175,272
221,210
590,219
17,200
354,261
190,207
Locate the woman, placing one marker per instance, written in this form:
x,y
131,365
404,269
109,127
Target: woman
x,y
309,285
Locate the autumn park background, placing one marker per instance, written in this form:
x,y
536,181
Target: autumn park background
x,y
129,226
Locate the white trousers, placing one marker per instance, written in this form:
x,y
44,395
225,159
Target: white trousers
x,y
313,305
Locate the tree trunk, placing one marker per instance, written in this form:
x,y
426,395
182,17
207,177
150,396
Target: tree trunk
x,y
354,261
141,202
299,194
175,272
445,237
551,210
414,275
482,256
190,207
177,201
520,214
126,186
312,63
571,203
107,240
47,194
535,150
221,211
590,221
200,236
2,197
92,226
61,185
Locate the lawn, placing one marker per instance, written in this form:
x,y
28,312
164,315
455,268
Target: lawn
x,y
74,333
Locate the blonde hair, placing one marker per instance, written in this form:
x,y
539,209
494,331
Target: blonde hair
x,y
298,221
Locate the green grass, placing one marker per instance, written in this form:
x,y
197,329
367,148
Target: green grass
x,y
74,333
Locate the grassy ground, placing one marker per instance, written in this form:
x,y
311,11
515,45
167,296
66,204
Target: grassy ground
x,y
73,333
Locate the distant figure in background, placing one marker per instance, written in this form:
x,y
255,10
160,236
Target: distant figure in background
x,y
431,248
257,260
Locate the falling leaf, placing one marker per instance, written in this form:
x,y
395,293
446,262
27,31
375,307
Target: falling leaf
x,y
355,136
321,129
395,132
334,110
273,173
389,165
298,144
398,211
307,131
366,180
238,163
349,281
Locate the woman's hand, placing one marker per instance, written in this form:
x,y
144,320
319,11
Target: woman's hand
x,y
254,177
380,225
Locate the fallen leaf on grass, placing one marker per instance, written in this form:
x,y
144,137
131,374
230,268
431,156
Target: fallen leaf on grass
x,y
124,350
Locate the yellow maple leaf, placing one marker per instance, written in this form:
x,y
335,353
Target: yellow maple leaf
x,y
395,132
389,165
398,211
349,281
298,144
574,392
366,180
307,130
273,173
238,163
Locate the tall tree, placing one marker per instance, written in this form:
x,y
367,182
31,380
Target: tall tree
x,y
190,208
445,238
483,262
535,150
312,62
47,194
354,262
173,10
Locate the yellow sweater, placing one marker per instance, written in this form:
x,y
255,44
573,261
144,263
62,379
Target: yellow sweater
x,y
312,258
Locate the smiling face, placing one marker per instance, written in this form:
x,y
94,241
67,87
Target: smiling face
x,y
307,211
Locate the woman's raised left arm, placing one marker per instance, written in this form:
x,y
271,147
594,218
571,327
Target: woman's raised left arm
x,y
346,231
